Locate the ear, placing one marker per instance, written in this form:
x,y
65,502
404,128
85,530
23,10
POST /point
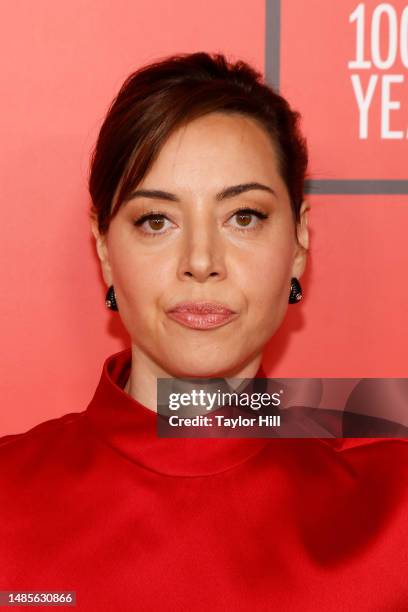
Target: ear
x,y
302,246
102,250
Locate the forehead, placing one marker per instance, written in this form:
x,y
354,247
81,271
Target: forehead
x,y
215,149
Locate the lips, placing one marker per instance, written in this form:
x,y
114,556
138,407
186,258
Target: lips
x,y
202,315
202,308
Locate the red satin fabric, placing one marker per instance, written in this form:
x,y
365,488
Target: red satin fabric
x,y
96,503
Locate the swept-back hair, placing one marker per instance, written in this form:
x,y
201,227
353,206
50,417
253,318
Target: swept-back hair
x,y
160,97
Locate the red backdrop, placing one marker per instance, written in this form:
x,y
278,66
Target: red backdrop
x,y
61,64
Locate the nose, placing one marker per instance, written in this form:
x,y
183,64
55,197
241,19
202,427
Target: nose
x,y
202,254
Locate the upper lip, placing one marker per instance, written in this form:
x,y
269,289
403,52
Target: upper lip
x,y
201,308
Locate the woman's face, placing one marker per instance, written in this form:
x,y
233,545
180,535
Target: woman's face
x,y
197,247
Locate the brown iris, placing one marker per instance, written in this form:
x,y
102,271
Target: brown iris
x,y
156,223
245,217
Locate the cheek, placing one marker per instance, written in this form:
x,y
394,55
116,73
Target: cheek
x,y
264,274
140,276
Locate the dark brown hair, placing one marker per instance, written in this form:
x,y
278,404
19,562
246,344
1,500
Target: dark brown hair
x,y
162,96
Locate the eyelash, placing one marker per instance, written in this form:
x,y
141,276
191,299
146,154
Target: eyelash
x,y
154,213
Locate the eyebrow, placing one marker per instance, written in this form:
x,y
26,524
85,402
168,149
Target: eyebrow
x,y
228,192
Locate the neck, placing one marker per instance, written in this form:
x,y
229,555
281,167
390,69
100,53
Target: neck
x,y
142,381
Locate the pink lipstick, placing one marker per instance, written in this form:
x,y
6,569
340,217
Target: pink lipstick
x,y
202,315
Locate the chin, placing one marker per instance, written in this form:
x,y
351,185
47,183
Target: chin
x,y
201,368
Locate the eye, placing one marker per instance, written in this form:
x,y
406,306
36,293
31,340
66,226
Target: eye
x,y
248,218
153,223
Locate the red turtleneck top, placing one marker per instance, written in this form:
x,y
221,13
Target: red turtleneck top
x,y
94,502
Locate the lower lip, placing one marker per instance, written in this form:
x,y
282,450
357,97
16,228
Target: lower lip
x,y
202,321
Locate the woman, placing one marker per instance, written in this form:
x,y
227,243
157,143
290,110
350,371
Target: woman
x,y
201,228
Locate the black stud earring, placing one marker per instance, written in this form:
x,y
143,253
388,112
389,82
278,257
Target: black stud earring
x,y
295,291
110,299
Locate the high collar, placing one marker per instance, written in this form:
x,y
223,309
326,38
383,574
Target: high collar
x,y
131,429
